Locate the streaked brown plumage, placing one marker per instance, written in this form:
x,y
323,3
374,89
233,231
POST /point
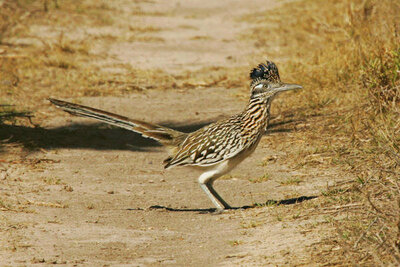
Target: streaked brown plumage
x,y
217,148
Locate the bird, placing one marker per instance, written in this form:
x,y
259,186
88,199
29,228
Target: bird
x,y
216,148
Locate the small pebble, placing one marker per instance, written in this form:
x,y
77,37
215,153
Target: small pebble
x,y
68,188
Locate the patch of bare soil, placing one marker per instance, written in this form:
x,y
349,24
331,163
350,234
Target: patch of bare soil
x,y
84,198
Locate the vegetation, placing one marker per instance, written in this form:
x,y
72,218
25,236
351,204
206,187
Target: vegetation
x,y
347,55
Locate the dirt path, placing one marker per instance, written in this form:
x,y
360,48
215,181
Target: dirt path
x,y
89,192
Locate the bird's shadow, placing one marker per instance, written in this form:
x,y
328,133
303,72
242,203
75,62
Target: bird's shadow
x,y
289,201
97,136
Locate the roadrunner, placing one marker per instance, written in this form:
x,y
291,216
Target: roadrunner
x,y
215,149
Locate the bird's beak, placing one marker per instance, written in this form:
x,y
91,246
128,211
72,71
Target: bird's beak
x,y
287,87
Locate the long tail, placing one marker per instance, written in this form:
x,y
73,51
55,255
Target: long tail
x,y
164,135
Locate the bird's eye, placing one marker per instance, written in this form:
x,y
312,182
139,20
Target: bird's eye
x,y
259,86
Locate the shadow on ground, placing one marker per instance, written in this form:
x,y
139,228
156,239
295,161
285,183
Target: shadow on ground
x,y
289,201
96,136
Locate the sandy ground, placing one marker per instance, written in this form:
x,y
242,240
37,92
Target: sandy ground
x,y
90,189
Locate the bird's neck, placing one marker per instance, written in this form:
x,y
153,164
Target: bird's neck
x,y
256,113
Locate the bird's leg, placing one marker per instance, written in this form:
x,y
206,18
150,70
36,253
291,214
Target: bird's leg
x,y
206,180
211,196
216,195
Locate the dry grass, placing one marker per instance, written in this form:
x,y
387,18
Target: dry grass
x,y
28,71
347,55
263,178
291,181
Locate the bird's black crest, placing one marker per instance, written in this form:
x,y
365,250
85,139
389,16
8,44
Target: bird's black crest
x,y
266,71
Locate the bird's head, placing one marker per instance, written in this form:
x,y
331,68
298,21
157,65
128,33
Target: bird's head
x,y
266,82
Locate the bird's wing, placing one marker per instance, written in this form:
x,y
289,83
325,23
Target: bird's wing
x,y
210,145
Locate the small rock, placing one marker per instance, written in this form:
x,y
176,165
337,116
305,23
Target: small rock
x,y
68,188
35,260
3,175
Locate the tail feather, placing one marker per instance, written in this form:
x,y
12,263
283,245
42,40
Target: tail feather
x,y
164,135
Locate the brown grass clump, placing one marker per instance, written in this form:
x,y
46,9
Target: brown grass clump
x,y
347,56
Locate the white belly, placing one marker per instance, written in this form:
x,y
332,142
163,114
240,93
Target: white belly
x,y
215,171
